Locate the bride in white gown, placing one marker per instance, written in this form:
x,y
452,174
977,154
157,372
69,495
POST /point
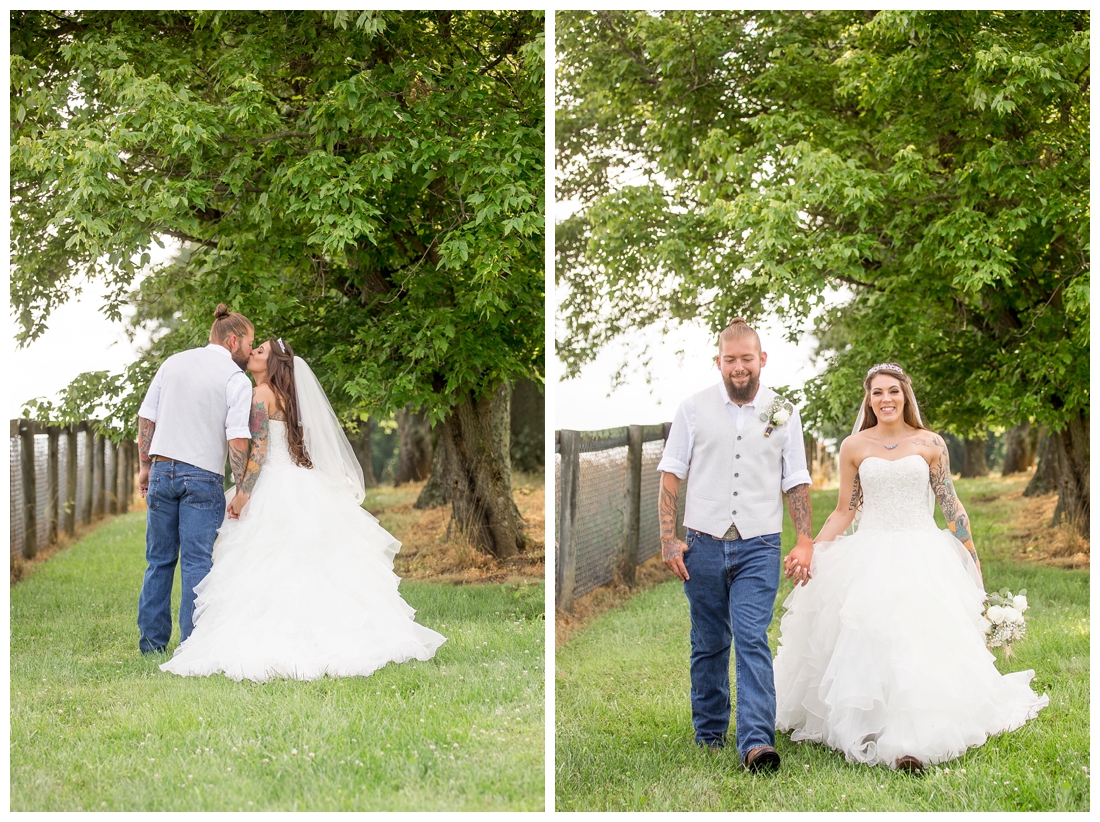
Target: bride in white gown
x,y
302,583
882,655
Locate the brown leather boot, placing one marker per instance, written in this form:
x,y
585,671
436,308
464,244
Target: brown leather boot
x,y
909,764
764,758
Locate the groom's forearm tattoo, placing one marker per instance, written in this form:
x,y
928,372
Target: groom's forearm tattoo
x,y
238,461
798,501
668,505
257,452
145,439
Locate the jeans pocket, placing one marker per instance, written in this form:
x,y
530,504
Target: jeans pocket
x,y
772,541
203,493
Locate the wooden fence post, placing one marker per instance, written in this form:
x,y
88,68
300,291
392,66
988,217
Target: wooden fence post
x,y
68,505
53,496
628,558
110,476
121,468
88,470
98,479
30,491
567,536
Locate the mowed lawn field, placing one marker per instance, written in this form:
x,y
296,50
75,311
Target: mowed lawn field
x,y
624,739
96,726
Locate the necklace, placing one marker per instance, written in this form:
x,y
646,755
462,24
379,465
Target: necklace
x,y
891,447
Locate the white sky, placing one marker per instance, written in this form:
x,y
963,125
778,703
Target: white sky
x,y
587,402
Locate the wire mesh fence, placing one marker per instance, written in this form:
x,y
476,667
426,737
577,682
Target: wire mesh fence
x,y
607,517
62,476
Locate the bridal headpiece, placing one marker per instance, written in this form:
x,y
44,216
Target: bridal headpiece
x,y
282,345
885,366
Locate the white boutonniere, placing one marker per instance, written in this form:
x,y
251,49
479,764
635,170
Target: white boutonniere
x,y
777,415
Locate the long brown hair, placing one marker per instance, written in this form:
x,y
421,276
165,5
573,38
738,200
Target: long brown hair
x,y
280,376
910,413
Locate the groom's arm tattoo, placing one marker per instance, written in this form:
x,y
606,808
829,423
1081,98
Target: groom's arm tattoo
x,y
257,453
668,505
798,502
145,439
238,460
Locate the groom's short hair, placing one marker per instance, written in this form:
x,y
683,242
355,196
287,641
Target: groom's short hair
x,y
736,330
227,323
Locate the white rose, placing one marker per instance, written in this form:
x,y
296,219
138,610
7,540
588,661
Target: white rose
x,y
781,416
1019,602
995,613
1013,616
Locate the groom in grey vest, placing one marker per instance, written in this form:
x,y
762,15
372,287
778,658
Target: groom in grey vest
x,y
743,445
195,413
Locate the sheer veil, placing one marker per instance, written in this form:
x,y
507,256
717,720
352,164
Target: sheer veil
x,y
327,444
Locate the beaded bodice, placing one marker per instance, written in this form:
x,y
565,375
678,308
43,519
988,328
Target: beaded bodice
x,y
896,495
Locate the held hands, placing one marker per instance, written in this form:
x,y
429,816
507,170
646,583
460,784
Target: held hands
x,y
672,552
236,504
798,561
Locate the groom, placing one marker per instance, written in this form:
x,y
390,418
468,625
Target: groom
x,y
195,412
744,450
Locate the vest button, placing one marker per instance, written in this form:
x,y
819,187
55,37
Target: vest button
x,y
738,436
735,513
738,456
735,493
737,475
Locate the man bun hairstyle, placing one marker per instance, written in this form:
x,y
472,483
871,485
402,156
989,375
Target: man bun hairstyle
x,y
227,323
736,330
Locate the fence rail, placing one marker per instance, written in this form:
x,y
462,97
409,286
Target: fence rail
x,y
61,476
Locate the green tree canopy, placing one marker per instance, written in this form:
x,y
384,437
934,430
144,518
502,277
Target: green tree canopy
x,y
367,185
932,165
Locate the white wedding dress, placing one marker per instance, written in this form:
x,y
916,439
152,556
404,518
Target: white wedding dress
x,y
302,586
882,654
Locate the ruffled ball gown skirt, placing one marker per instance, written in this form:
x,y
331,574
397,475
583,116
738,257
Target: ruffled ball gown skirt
x,y
882,654
302,586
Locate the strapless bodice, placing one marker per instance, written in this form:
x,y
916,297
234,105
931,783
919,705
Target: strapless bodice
x,y
278,452
895,494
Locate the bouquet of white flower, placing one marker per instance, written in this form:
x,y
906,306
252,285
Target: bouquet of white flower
x,y
1004,617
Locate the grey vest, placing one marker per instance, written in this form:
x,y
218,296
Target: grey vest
x,y
735,475
192,410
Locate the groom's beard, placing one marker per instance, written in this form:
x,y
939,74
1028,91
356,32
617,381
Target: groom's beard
x,y
240,358
742,395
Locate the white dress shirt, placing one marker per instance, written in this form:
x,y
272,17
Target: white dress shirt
x,y
676,458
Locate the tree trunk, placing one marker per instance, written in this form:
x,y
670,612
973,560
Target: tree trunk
x,y
974,464
414,447
1045,480
1018,453
434,493
360,444
475,472
1072,444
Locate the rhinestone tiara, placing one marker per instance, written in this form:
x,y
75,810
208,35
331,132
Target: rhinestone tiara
x,y
885,366
282,346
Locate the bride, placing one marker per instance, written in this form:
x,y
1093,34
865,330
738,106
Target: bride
x,y
302,583
882,656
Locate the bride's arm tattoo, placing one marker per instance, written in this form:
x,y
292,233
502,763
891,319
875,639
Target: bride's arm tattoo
x,y
257,452
944,489
798,502
853,503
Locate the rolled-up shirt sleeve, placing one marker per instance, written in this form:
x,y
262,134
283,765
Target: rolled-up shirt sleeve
x,y
676,458
238,396
149,405
795,471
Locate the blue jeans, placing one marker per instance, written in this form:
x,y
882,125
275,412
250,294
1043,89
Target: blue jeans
x,y
186,507
731,593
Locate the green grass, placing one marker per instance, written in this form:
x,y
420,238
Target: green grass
x,y
625,742
94,725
